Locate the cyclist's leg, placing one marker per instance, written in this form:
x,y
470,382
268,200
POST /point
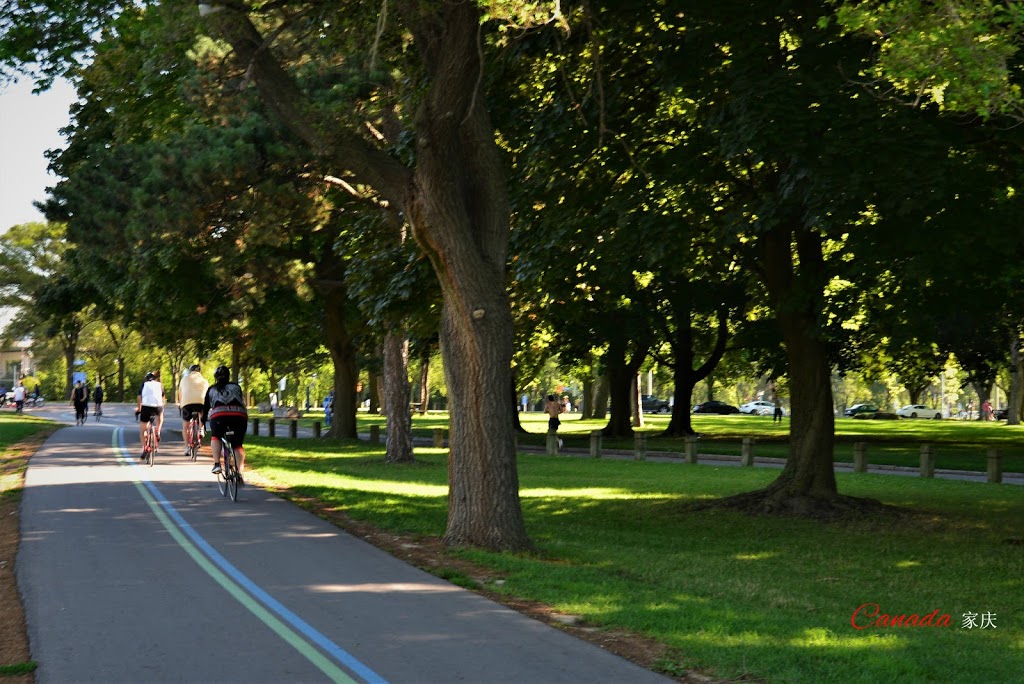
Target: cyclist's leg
x,y
186,434
216,435
238,426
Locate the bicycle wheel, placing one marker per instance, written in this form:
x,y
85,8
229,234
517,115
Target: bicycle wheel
x,y
224,475
152,443
231,466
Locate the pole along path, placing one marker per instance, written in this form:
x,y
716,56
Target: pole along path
x,y
131,573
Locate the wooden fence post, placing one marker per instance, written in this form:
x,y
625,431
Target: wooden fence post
x,y
995,466
293,428
747,452
438,438
691,448
640,446
316,429
256,427
927,461
271,427
551,445
860,457
375,434
595,443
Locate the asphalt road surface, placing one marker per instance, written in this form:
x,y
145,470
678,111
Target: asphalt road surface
x,y
133,573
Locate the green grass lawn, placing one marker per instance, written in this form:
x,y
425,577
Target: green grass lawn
x,y
958,445
13,429
730,594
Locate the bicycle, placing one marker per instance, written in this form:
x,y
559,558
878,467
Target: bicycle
x,y
228,478
151,442
193,438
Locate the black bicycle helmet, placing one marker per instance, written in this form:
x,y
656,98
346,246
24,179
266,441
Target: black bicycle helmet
x,y
193,367
222,374
149,376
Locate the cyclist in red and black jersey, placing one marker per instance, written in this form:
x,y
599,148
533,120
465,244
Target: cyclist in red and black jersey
x,y
224,407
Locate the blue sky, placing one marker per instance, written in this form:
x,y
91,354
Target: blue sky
x,y
29,125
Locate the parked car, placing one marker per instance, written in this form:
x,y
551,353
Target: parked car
x,y
652,404
1002,414
860,408
918,411
719,407
758,408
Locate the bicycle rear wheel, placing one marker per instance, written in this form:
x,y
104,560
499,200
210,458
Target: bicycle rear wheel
x,y
225,473
231,467
152,444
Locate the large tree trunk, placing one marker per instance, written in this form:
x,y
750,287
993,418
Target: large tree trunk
x,y
601,398
807,484
684,376
589,390
461,219
374,390
343,356
636,402
622,388
396,391
456,203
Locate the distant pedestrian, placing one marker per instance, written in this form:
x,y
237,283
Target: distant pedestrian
x,y
778,410
328,408
80,400
986,410
524,402
97,400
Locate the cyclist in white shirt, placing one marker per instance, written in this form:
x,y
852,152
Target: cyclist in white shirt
x,y
191,395
151,405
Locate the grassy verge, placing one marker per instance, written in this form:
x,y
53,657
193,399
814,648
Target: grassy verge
x,y
19,436
728,594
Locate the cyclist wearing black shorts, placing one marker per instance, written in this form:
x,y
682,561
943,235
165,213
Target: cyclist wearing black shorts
x,y
191,395
225,409
150,406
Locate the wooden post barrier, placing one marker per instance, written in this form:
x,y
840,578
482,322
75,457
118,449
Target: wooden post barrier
x,y
691,448
860,457
271,427
551,445
640,446
747,452
995,466
595,443
293,428
375,434
438,438
256,427
927,461
316,429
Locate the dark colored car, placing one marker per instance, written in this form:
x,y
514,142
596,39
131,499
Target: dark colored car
x,y
860,408
719,407
652,404
876,415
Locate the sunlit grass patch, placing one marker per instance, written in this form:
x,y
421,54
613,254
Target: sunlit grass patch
x,y
619,546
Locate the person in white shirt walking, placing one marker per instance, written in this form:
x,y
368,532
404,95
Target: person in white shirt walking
x,y
191,395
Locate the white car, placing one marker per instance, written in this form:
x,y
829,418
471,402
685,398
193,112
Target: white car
x,y
758,408
918,411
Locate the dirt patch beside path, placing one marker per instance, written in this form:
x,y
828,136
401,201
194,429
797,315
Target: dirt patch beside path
x,y
14,653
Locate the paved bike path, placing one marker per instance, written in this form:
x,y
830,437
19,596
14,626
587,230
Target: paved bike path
x,y
139,574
